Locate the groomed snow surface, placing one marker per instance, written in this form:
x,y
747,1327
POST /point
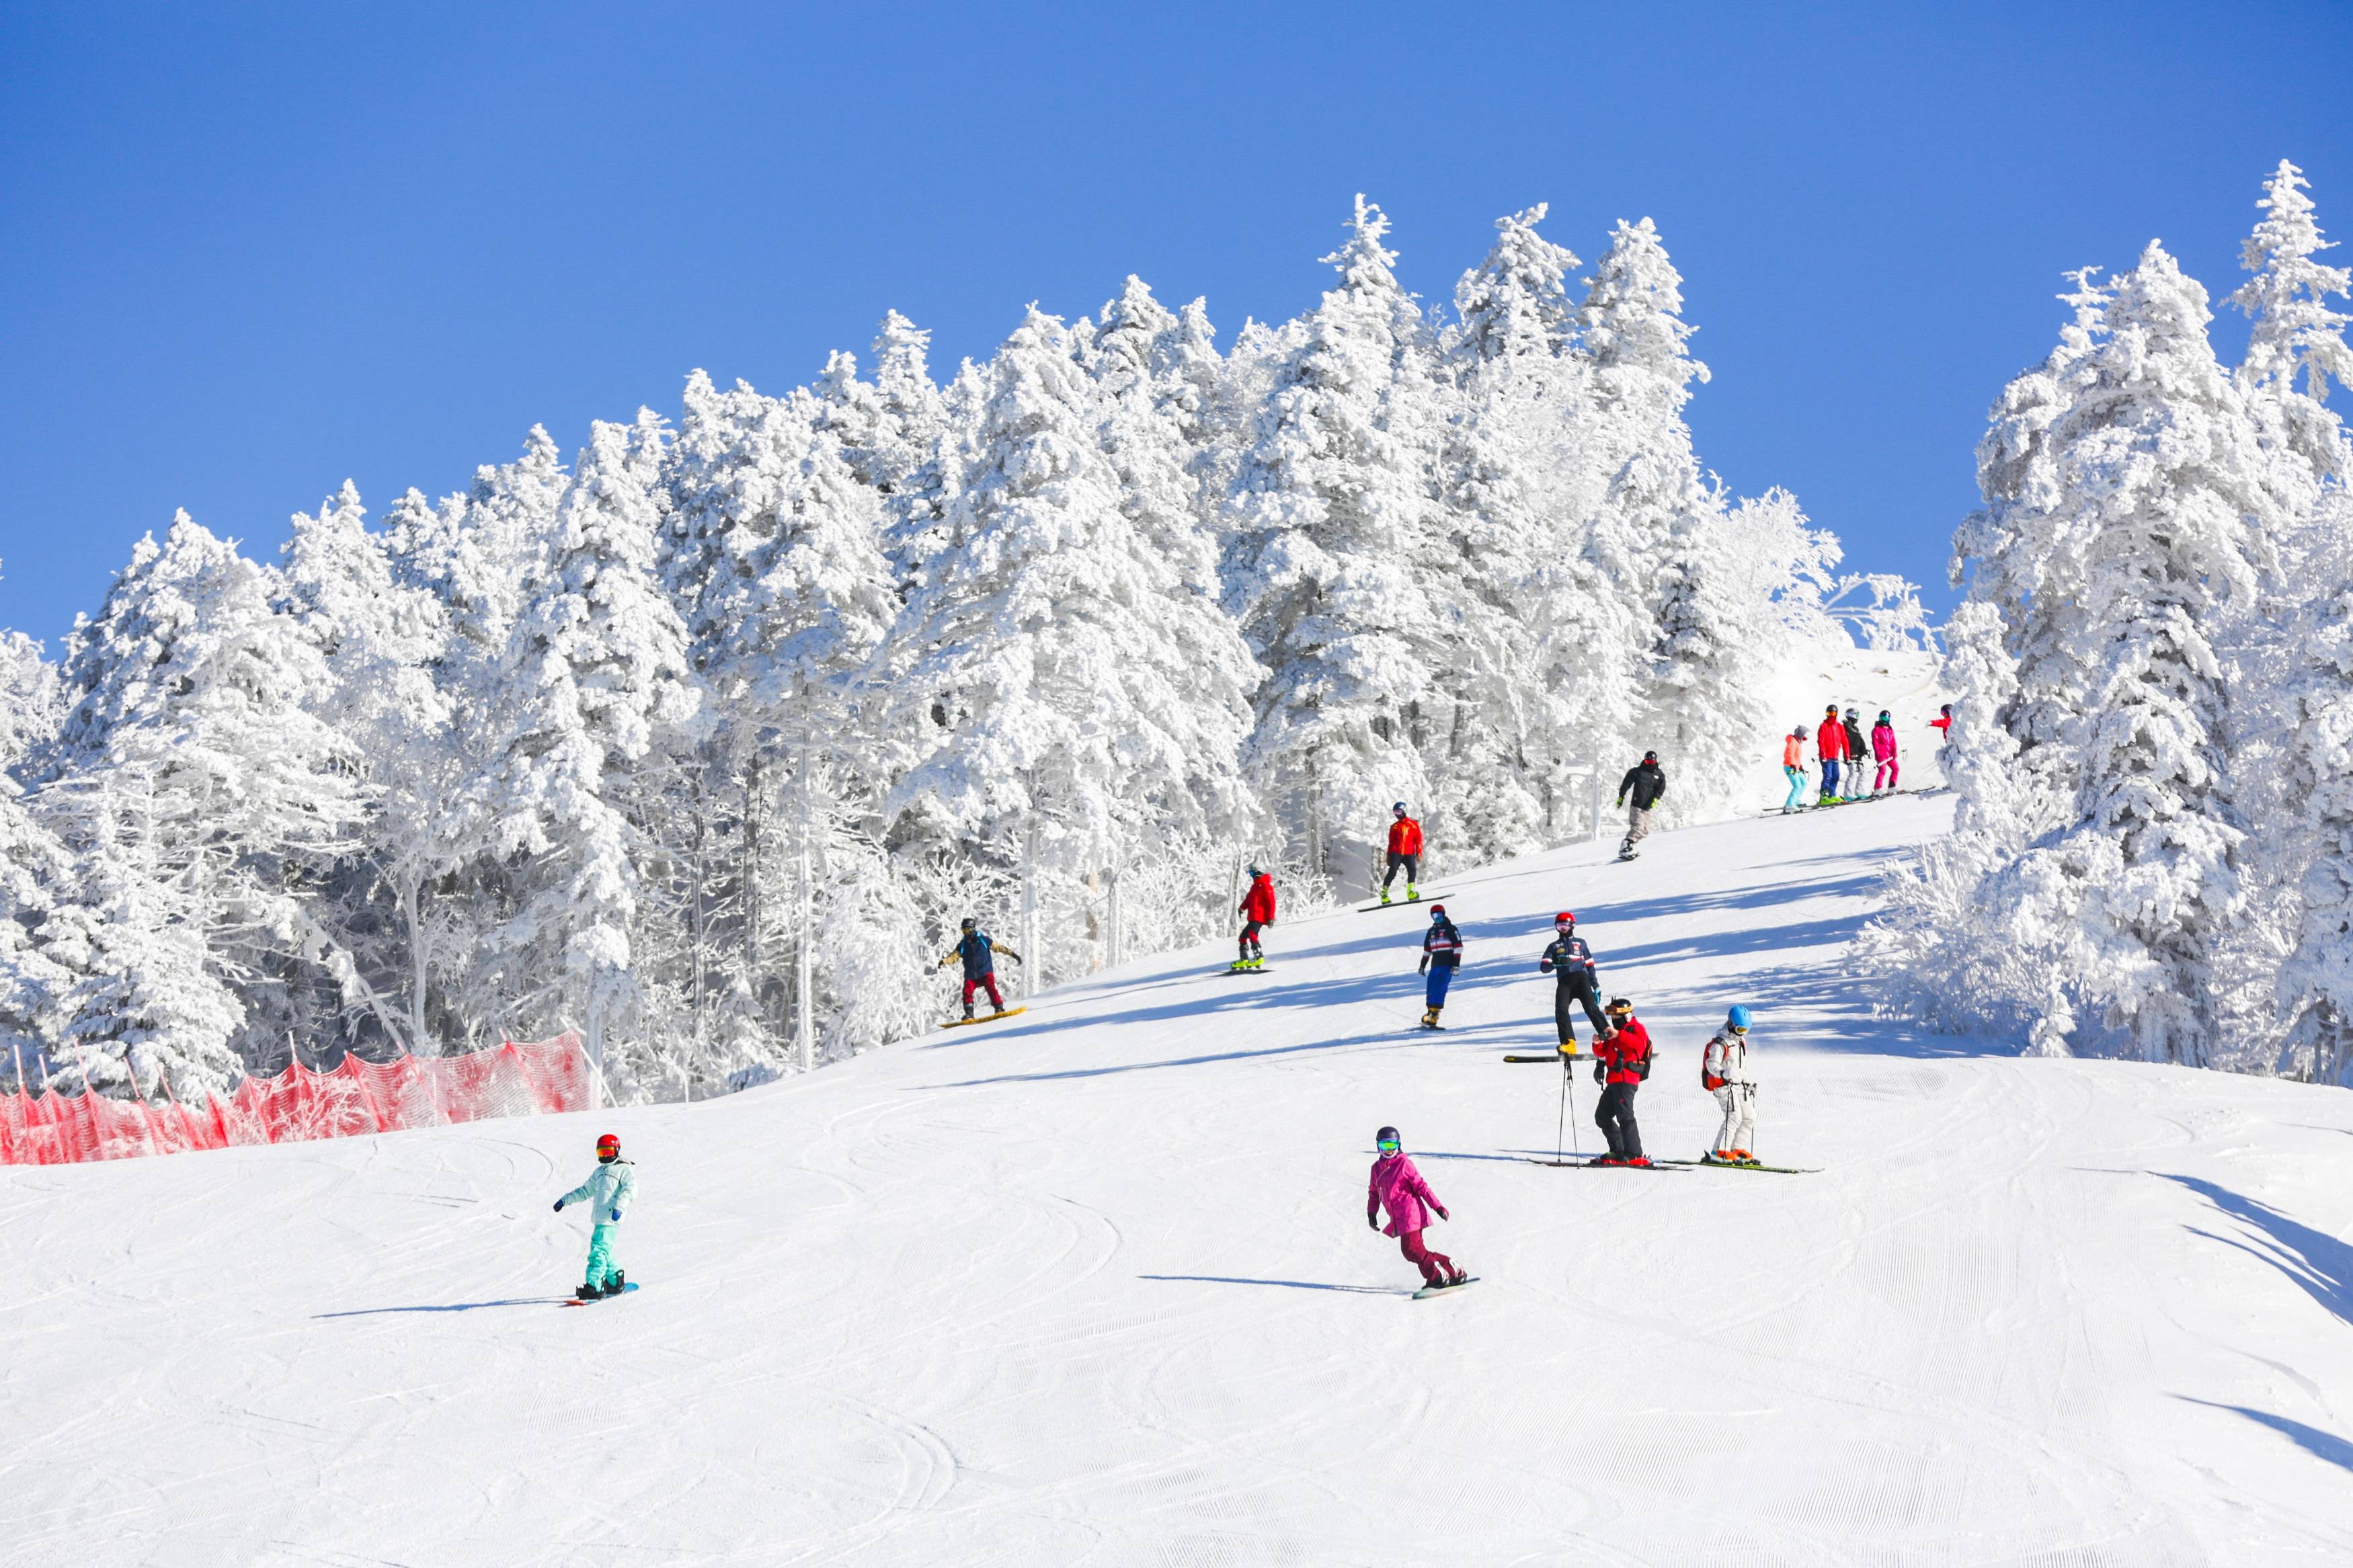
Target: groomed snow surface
x,y
1094,1286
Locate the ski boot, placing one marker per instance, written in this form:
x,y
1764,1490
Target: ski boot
x,y
1412,894
613,1286
1743,1157
967,1012
587,1293
1385,893
1640,1161
1430,1019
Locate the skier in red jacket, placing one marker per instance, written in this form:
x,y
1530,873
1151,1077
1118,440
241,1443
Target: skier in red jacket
x,y
1405,849
1257,909
1621,1061
1830,744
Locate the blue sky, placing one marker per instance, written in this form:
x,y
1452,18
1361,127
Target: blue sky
x,y
248,251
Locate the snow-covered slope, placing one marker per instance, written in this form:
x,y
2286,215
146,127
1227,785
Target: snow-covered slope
x,y
1094,1284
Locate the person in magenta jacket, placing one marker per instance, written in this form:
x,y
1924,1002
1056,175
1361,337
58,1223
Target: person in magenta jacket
x,y
1397,1187
1883,751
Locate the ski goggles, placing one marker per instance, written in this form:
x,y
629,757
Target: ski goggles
x,y
1736,1028
1387,1145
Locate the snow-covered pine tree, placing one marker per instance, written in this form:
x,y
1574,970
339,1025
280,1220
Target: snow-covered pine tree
x,y
2297,337
2317,979
1332,498
1658,534
33,862
382,639
1083,694
203,799
1541,648
2160,505
595,668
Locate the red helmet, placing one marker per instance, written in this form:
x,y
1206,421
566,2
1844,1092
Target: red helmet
x,y
1565,917
609,1144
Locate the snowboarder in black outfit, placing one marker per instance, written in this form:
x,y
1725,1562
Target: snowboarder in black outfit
x,y
1647,783
977,949
1575,981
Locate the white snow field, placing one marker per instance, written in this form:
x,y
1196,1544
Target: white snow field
x,y
1094,1286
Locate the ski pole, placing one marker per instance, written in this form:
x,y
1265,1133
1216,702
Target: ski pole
x,y
1558,1132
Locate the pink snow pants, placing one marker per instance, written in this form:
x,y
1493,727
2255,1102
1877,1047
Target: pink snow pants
x,y
1436,1268
1885,777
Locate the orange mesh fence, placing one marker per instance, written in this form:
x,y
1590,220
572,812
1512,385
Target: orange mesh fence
x,y
356,1097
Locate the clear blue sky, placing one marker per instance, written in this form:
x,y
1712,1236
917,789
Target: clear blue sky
x,y
247,251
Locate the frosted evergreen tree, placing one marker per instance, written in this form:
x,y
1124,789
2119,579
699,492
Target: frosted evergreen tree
x,y
2297,343
1332,500
2317,980
596,667
382,639
204,795
2163,513
1084,695
33,862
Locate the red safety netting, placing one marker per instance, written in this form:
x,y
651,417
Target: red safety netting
x,y
355,1097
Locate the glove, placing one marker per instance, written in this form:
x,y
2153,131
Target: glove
x,y
1424,967
1443,1214
1600,1074
1372,1222
616,1217
559,1205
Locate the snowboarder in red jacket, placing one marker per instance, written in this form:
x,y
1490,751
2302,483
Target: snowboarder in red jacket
x,y
1405,849
1257,909
1621,1061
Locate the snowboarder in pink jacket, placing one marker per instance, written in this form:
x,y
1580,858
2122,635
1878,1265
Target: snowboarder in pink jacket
x,y
1397,1187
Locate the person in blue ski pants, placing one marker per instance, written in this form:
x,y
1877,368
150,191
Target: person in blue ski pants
x,y
609,1190
1441,954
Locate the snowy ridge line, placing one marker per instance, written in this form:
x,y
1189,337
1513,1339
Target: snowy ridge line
x,y
353,1098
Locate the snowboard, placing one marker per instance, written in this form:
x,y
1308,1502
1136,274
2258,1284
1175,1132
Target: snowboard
x,y
575,1301
1428,1291
1597,1165
1432,1029
1237,969
1629,855
983,1018
1403,903
1727,1165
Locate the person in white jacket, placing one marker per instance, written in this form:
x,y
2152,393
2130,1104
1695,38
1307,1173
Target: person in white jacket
x,y
607,1191
1724,1068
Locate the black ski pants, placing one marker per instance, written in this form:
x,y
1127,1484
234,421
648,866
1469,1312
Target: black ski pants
x,y
1412,864
1615,1117
1568,992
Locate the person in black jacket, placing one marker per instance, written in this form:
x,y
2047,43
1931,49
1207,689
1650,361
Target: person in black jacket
x,y
1646,782
1441,954
1576,981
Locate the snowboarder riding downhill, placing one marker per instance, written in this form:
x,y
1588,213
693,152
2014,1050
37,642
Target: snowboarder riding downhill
x,y
1441,954
1622,1062
1257,909
1723,1068
608,1192
1397,1187
977,950
1647,782
1405,850
1576,981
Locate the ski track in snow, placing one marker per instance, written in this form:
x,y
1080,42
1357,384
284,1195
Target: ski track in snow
x,y
1093,1286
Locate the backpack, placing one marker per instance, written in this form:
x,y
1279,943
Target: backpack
x,y
1708,1080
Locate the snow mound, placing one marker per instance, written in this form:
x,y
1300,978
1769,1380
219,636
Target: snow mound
x,y
1094,1284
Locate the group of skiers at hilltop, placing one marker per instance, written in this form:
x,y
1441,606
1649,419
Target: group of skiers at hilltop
x,y
1840,746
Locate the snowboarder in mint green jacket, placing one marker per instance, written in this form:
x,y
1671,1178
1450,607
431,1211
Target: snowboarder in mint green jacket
x,y
607,1192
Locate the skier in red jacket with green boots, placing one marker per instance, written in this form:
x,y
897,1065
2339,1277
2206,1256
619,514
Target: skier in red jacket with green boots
x,y
1405,852
1621,1061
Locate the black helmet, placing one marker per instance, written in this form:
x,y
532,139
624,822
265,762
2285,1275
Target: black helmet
x,y
1882,715
1387,1138
1650,756
970,923
1619,1005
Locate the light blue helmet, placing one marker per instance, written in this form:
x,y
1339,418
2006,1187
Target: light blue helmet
x,y
1737,1019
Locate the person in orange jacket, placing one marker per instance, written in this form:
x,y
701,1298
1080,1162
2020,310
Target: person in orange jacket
x,y
1257,909
1621,1060
1793,764
1830,744
1405,850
